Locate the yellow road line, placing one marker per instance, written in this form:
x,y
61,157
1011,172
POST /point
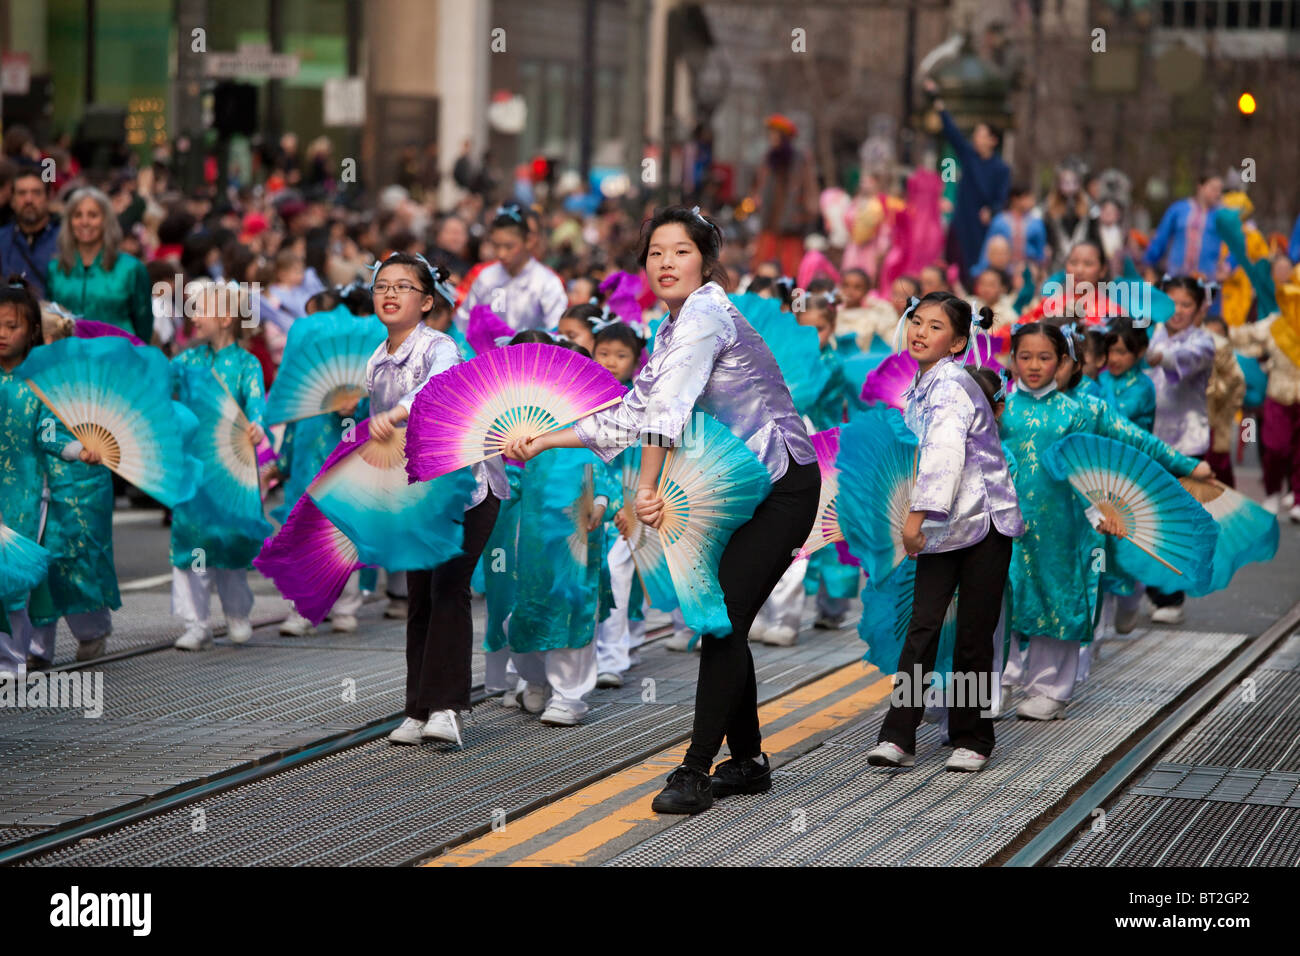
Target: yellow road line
x,y
553,815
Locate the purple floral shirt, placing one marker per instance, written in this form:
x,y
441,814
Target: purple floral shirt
x,y
533,299
1181,380
962,481
709,357
394,379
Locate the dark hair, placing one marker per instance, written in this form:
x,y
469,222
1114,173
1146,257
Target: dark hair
x,y
511,216
1188,284
759,284
784,287
820,285
326,300
1206,175
173,229
1134,338
30,172
958,312
1074,346
532,337
855,271
1001,274
821,302
1094,341
357,299
913,281
1051,332
1018,189
624,335
994,131
703,232
989,381
586,311
1101,253
572,347
422,276
18,293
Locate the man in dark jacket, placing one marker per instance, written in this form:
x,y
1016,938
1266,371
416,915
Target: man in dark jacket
x,y
28,243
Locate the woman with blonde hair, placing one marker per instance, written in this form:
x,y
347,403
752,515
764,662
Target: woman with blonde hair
x,y
91,276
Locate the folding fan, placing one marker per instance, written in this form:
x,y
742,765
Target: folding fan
x,y
231,491
324,366
1168,539
309,561
90,329
877,463
887,617
362,488
643,541
1246,531
566,543
826,528
485,331
115,398
23,563
795,347
472,411
889,381
711,485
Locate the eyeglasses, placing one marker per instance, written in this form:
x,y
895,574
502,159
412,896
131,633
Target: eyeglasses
x,y
401,288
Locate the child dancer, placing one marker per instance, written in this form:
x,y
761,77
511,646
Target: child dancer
x,y
552,628
962,519
866,316
1123,383
1180,360
1223,400
82,582
439,628
580,323
517,287
205,554
618,348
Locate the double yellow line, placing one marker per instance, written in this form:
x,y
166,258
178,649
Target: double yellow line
x,y
622,816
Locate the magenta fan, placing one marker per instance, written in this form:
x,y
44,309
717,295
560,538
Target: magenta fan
x,y
308,560
826,528
473,410
889,381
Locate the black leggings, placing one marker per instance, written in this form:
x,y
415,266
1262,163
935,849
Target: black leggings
x,y
981,572
439,628
759,552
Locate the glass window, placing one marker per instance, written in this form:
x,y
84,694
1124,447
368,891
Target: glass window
x,y
556,119
530,88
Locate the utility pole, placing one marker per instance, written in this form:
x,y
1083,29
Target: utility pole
x,y
633,126
588,107
191,15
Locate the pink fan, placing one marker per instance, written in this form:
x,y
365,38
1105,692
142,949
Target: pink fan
x,y
826,528
484,328
889,381
473,410
90,329
308,560
621,290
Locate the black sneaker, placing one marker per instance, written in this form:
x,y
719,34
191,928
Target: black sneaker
x,y
38,663
741,776
688,791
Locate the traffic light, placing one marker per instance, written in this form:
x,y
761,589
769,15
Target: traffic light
x,y
1246,104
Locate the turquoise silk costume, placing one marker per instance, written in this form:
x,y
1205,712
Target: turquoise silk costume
x,y
1132,394
196,524
560,589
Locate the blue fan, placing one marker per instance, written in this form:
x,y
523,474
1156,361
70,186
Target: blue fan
x,y
711,484
1168,539
1246,531
231,492
362,489
1256,380
324,366
887,616
23,563
115,398
643,541
858,364
567,546
795,347
877,463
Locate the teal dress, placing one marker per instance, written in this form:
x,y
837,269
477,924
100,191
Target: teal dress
x,y
79,530
1132,394
558,595
120,296
1088,386
495,577
193,524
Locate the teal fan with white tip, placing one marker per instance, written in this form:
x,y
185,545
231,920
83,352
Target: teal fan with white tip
x,y
324,366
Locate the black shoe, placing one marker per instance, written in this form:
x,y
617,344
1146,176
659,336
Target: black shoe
x,y
688,791
38,663
741,776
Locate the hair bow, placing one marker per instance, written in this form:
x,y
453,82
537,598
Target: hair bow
x,y
606,319
511,210
1069,332
700,217
912,303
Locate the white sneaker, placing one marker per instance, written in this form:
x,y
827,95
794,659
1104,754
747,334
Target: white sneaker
x,y
965,760
1167,615
239,630
343,624
557,715
1294,514
295,625
888,754
510,697
757,632
783,635
1040,707
1288,500
195,638
1271,503
443,726
396,609
681,641
609,679
407,732
533,698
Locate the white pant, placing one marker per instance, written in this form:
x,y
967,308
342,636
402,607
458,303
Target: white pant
x,y
350,601
496,668
191,593
616,635
13,647
1047,668
785,606
90,626
570,673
